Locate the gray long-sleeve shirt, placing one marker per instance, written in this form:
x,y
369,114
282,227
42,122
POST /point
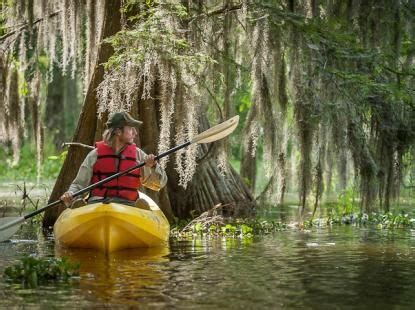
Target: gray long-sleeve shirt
x,y
153,178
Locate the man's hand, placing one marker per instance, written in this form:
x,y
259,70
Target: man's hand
x,y
67,198
150,160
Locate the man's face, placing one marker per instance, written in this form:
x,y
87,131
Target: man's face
x,y
128,135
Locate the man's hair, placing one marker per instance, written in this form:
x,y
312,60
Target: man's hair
x,y
109,136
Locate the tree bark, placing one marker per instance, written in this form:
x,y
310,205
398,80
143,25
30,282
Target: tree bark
x,y
3,69
13,127
149,133
248,162
208,186
88,123
54,117
37,128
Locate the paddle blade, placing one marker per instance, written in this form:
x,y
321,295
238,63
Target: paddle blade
x,y
217,132
9,226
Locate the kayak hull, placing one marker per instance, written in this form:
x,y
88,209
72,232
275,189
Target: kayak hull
x,y
110,227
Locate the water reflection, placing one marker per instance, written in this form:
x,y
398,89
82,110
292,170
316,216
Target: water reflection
x,y
364,267
120,277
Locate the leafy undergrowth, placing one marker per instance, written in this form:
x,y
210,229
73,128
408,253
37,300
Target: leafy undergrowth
x,y
217,222
26,167
381,220
346,211
30,271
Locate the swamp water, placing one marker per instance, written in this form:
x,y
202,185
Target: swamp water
x,y
338,267
329,268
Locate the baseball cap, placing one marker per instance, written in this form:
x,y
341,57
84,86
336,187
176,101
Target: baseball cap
x,y
121,119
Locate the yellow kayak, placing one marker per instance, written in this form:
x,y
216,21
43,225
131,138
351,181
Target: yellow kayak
x,y
112,226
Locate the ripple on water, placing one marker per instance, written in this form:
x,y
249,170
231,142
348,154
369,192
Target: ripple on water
x,y
342,266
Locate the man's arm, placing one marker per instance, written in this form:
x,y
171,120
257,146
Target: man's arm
x,y
83,178
154,178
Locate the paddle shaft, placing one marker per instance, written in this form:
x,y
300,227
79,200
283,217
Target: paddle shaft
x,y
112,177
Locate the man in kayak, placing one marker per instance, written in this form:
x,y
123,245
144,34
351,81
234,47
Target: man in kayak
x,y
117,152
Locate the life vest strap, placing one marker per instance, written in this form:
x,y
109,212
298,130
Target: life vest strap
x,y
123,188
120,156
108,174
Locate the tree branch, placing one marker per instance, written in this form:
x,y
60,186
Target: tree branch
x,y
77,144
406,72
24,26
222,10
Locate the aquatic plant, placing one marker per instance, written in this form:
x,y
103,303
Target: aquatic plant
x,y
221,221
232,228
31,271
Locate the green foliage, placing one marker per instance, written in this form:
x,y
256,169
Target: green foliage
x,y
346,203
53,164
244,101
155,38
4,4
26,167
23,88
31,271
43,63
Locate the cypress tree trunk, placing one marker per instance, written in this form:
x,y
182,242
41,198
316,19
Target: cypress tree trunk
x,y
88,123
248,162
54,117
37,128
283,128
229,107
13,128
208,186
149,133
282,178
3,135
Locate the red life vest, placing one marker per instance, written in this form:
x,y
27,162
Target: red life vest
x,y
126,186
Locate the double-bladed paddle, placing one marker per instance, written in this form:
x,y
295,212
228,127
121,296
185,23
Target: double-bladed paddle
x,y
9,225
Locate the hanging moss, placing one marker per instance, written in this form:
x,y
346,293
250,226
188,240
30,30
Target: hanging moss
x,y
155,57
